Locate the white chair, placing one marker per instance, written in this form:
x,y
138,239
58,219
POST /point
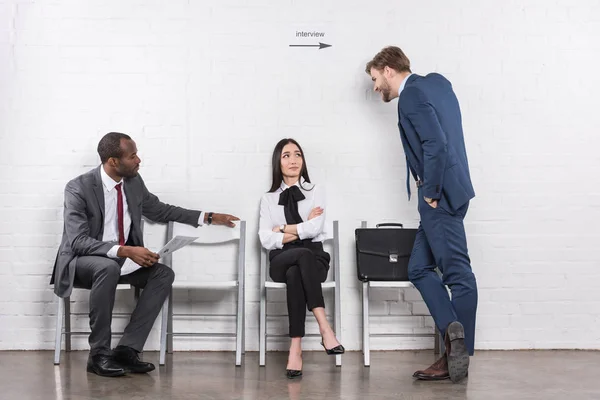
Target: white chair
x,y
331,233
365,313
207,235
64,310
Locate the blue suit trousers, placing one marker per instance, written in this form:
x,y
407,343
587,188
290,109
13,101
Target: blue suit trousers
x,y
441,242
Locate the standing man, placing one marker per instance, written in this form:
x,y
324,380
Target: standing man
x,y
102,246
430,125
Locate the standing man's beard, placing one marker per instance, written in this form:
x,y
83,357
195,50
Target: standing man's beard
x,y
386,92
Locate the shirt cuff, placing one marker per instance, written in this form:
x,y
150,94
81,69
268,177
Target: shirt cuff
x,y
112,253
279,240
201,219
300,230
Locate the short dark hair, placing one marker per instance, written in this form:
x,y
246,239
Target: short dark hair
x,y
276,161
392,57
110,146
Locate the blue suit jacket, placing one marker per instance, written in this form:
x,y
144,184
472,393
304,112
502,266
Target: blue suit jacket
x,y
431,130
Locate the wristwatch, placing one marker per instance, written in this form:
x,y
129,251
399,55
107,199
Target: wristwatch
x,y
282,228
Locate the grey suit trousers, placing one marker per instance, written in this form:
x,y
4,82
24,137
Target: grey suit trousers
x,y
101,275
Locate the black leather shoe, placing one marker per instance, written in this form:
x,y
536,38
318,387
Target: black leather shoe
x,y
339,349
103,365
129,359
293,373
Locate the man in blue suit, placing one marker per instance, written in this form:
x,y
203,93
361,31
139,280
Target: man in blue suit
x,y
431,132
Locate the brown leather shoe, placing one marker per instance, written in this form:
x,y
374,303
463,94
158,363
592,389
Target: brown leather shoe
x,y
438,371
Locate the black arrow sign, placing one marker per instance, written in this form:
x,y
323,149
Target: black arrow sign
x,y
320,45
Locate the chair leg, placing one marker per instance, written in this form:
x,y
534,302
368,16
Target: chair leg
x,y
170,325
164,317
436,340
67,323
366,332
244,321
262,336
239,327
337,319
58,333
440,342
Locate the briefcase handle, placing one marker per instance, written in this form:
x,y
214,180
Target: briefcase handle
x,y
389,224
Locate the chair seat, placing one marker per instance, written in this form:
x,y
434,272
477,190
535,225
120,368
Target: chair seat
x,y
120,286
204,285
391,284
277,285
124,286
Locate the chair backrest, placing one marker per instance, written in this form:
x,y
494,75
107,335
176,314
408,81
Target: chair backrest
x,y
209,235
331,233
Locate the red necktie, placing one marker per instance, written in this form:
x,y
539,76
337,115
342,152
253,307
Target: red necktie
x,y
120,215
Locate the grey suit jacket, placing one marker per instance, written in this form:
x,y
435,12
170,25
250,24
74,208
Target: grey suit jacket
x,y
84,222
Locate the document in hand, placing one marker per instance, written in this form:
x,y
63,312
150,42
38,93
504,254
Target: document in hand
x,y
175,244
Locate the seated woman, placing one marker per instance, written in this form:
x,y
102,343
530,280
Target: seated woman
x,y
292,219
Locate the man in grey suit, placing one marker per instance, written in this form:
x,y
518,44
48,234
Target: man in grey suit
x,y
102,245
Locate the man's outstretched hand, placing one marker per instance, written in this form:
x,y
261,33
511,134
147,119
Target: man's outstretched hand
x,y
223,219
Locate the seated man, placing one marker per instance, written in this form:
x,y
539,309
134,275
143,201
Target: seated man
x,y
102,246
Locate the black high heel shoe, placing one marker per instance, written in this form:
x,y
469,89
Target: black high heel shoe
x,y
293,373
339,349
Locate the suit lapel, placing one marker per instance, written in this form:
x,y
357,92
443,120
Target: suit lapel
x,y
408,150
411,155
134,210
405,142
99,191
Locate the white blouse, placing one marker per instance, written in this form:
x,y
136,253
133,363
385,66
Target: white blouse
x,y
272,214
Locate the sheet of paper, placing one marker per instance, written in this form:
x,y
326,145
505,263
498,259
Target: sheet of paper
x,y
175,244
129,266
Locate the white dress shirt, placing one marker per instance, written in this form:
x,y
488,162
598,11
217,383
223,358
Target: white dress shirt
x,y
111,221
272,214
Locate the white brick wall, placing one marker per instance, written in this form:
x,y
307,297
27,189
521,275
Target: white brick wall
x,y
207,88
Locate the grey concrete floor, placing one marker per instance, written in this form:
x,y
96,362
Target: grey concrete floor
x,y
571,375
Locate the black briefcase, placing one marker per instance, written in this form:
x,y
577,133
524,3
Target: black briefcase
x,y
383,254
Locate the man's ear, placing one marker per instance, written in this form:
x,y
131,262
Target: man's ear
x,y
387,72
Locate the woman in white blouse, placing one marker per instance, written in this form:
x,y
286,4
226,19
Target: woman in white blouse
x,y
292,218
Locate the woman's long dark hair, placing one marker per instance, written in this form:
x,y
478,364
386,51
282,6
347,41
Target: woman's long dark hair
x,y
276,162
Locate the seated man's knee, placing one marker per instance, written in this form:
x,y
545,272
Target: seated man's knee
x,y
109,269
165,273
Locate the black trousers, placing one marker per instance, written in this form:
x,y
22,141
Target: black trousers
x,y
302,269
101,275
